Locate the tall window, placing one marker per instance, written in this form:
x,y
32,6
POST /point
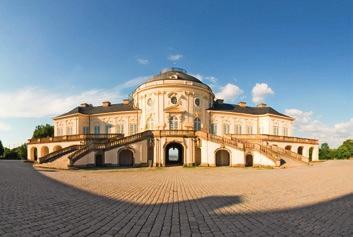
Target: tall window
x,y
249,129
120,128
149,124
85,130
275,130
237,129
132,128
108,128
226,128
69,130
285,131
173,123
197,124
213,128
59,132
96,129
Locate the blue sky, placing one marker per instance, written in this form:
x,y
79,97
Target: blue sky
x,y
56,54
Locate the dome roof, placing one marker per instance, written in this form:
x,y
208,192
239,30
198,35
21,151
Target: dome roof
x,y
174,73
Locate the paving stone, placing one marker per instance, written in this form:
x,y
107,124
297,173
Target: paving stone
x,y
300,201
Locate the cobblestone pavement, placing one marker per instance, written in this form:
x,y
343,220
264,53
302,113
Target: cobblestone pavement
x,y
303,201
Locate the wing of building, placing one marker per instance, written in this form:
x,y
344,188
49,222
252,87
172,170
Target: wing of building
x,y
172,119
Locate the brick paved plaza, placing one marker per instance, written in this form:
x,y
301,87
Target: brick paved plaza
x,y
309,200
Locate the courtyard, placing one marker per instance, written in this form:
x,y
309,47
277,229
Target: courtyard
x,y
314,200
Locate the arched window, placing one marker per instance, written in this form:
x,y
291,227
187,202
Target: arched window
x,y
173,123
197,124
149,124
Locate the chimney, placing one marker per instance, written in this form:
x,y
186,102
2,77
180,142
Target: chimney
x,y
261,105
219,101
106,103
84,105
125,101
242,104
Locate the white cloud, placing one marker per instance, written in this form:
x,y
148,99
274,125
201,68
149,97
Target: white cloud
x,y
207,79
229,92
4,126
134,82
142,61
36,102
175,57
260,91
308,126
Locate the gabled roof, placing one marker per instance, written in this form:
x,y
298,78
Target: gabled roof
x,y
89,110
246,109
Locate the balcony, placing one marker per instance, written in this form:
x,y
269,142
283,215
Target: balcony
x,y
77,137
273,138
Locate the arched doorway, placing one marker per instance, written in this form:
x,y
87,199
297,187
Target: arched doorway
x,y
311,149
99,159
288,148
57,148
249,160
174,153
222,158
44,151
34,153
300,150
126,158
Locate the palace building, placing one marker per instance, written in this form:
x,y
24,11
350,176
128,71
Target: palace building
x,y
172,119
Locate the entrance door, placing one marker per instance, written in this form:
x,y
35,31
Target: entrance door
x,y
126,158
222,158
174,154
99,160
249,161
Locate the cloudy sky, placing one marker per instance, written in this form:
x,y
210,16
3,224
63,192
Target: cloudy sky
x,y
297,56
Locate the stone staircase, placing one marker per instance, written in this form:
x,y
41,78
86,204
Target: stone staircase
x,y
59,163
242,145
57,154
110,144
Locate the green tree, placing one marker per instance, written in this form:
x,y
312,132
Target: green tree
x,y
345,150
21,151
325,152
41,131
1,149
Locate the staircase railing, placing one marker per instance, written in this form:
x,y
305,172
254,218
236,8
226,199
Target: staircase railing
x,y
110,144
289,153
56,154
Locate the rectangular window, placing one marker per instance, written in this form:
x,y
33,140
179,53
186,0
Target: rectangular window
x,y
237,129
275,130
68,130
285,131
225,128
120,128
249,130
96,129
59,132
132,129
213,128
108,128
85,130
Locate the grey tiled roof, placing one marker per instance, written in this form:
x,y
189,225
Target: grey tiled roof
x,y
167,75
245,110
100,109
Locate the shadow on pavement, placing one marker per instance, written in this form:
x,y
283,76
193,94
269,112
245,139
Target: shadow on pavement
x,y
33,204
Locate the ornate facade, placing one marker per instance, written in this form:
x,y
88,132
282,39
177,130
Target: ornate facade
x,y
172,119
